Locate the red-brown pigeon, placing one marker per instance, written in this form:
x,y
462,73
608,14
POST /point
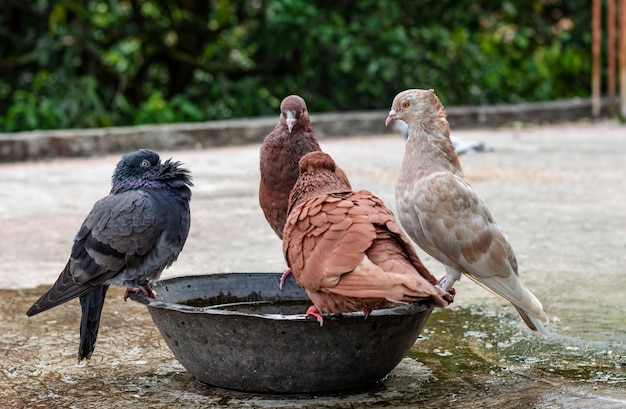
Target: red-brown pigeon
x,y
345,248
291,138
444,215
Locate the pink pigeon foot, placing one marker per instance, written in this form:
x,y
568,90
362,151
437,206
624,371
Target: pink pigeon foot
x,y
450,296
312,311
446,284
283,278
144,289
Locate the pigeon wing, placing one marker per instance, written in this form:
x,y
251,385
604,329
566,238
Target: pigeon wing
x,y
120,232
335,242
324,240
458,227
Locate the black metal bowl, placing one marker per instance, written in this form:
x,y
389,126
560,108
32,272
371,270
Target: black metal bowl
x,y
239,331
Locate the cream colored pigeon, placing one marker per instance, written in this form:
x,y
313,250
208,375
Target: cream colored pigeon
x,y
346,249
444,215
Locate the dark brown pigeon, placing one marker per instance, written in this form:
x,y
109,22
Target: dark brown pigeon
x,y
291,138
128,239
445,216
345,248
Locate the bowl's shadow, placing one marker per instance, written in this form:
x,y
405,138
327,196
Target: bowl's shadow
x,y
240,331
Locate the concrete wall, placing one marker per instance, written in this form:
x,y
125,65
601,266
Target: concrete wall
x,y
83,142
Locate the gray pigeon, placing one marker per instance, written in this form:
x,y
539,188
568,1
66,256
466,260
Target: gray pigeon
x,y
128,239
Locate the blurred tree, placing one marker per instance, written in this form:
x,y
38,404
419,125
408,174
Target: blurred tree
x,y
73,63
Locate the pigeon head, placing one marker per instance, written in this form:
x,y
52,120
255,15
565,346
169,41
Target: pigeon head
x,y
143,168
413,104
317,162
293,111
318,175
141,164
136,164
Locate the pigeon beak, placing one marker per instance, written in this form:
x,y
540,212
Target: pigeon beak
x,y
291,119
391,117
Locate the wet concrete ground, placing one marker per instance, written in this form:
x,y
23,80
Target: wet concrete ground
x,y
558,192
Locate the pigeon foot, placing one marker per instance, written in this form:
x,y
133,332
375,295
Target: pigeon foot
x,y
447,281
144,289
312,311
283,278
449,297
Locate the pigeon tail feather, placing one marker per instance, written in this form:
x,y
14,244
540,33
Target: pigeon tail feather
x,y
512,290
534,322
91,305
63,290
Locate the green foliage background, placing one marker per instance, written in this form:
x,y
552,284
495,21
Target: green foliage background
x,y
76,64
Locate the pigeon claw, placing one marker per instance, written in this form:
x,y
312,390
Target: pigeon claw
x,y
449,297
283,278
313,312
367,312
143,289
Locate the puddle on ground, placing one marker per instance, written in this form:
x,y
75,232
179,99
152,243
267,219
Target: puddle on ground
x,y
468,339
466,357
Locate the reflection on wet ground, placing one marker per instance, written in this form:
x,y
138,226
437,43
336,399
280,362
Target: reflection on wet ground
x,y
478,348
467,357
495,338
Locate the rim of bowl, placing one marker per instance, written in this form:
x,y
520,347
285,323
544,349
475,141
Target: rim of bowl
x,y
397,309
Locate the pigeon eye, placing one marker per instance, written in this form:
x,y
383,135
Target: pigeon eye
x,y
144,163
405,104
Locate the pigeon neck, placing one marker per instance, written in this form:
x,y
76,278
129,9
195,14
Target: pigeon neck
x,y
316,184
429,140
133,184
